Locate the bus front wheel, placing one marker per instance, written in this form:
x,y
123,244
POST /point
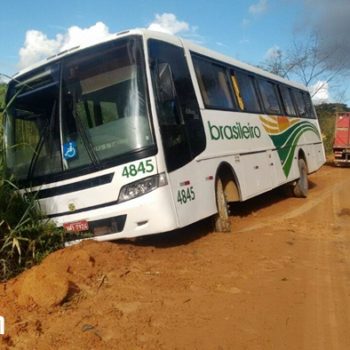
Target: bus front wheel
x,y
221,220
301,187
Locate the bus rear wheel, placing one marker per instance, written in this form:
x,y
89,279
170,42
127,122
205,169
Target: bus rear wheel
x,y
301,188
221,219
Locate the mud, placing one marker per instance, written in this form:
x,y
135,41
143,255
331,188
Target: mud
x,y
279,280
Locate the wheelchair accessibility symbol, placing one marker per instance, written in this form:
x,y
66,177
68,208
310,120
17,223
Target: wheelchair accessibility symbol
x,y
70,150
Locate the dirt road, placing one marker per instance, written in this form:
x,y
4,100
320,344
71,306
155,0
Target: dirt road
x,y
281,280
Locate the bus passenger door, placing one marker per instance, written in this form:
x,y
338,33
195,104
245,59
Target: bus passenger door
x,y
181,127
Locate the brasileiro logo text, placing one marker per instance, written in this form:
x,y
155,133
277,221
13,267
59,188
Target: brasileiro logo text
x,y
236,131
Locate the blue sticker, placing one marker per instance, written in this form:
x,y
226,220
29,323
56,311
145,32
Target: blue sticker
x,y
70,150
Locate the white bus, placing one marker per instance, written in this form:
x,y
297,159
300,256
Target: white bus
x,y
145,133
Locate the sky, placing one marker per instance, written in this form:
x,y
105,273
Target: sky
x,y
248,30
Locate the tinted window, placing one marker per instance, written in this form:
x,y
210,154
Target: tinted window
x,y
214,84
32,129
309,107
88,110
287,101
269,97
179,117
104,101
247,92
300,102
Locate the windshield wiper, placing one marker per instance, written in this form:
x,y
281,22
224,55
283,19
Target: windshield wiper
x,y
48,127
85,137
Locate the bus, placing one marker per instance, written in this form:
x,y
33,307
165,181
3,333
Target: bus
x,y
145,133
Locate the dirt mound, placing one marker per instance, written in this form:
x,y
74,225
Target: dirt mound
x,y
58,283
63,274
43,288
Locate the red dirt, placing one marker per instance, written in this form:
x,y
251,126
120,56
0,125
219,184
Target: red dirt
x,y
280,280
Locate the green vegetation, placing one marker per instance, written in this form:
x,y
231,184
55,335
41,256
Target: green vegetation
x,y
26,237
326,115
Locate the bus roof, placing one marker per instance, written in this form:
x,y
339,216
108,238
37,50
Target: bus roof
x,y
168,38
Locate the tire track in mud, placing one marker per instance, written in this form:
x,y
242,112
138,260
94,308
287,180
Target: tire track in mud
x,y
305,205
322,223
327,312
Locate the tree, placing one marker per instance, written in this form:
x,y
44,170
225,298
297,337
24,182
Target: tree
x,y
309,63
318,68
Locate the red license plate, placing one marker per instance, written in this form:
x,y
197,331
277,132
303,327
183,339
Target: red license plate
x,y
77,226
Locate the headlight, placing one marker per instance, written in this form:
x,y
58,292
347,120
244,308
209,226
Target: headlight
x,y
141,187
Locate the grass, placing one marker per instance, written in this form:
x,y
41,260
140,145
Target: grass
x,y
26,236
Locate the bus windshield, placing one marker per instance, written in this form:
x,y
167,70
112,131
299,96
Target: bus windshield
x,y
83,111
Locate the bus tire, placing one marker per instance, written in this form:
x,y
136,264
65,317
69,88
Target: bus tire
x,y
222,221
301,187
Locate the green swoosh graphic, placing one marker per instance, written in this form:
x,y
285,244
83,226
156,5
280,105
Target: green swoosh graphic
x,y
287,141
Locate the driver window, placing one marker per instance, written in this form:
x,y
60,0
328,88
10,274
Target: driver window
x,y
177,107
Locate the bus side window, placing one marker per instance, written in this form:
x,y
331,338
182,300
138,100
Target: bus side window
x,y
269,97
248,92
287,101
309,106
300,102
168,114
214,84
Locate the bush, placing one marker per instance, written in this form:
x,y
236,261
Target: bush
x,y
26,237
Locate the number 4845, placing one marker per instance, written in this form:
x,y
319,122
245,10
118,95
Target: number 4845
x,y
186,195
136,168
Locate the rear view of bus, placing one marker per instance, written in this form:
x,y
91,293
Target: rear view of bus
x,y
78,134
